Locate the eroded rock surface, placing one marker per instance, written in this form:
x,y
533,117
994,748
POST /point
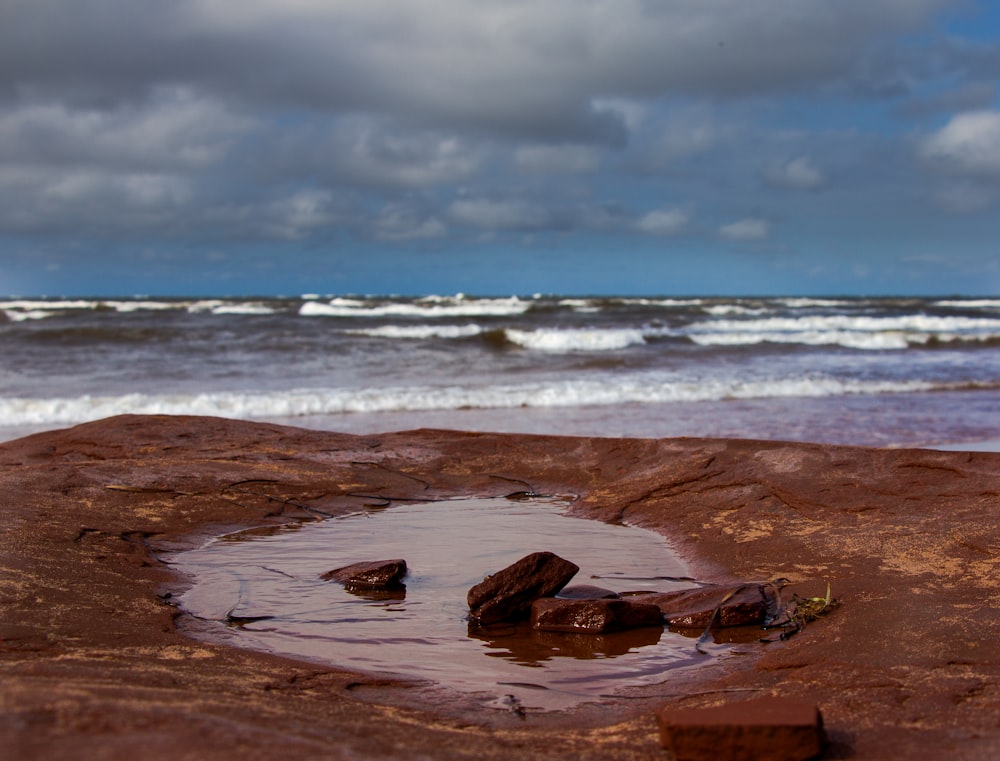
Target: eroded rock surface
x,y
507,595
93,662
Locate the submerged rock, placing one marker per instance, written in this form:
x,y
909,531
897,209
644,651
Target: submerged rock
x,y
592,616
373,574
737,604
507,595
587,592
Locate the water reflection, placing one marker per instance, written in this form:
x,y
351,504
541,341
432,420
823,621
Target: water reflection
x,y
395,592
521,644
271,581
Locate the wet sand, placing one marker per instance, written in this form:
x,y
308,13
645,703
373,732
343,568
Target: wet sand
x,y
96,661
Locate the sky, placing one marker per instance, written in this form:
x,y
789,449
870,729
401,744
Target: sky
x,y
494,147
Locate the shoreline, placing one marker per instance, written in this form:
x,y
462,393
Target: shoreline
x,y
967,420
93,659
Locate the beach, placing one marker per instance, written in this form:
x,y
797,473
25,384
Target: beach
x,y
442,381
97,661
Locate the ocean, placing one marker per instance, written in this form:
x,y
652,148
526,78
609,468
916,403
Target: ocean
x,y
868,371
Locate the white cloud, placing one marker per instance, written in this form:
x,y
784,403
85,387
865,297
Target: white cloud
x,y
631,111
514,67
557,159
968,144
201,118
498,214
400,223
85,198
173,129
799,174
296,215
748,229
687,132
663,222
373,153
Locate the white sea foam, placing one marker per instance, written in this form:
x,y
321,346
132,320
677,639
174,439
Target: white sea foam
x,y
30,314
851,331
607,390
142,306
663,302
248,309
28,305
436,307
724,309
969,303
674,302
575,339
419,331
583,306
869,341
343,301
55,306
805,303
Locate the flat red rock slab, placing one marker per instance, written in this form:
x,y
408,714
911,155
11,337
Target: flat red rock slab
x,y
766,729
908,669
507,594
738,605
374,574
592,616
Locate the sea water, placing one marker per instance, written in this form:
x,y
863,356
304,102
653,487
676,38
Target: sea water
x,y
873,371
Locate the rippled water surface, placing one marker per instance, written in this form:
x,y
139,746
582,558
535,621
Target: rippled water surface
x,y
422,633
874,371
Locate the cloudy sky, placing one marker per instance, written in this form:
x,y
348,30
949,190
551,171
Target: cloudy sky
x,y
499,146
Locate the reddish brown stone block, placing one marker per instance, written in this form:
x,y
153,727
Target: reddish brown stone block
x,y
374,574
507,594
587,592
592,616
766,729
738,605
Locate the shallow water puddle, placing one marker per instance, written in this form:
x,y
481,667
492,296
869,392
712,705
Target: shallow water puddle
x,y
422,632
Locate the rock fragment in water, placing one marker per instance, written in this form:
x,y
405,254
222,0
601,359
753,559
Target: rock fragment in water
x,y
587,592
764,729
737,604
373,574
507,594
592,616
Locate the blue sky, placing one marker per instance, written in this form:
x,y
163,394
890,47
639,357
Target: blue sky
x,y
499,146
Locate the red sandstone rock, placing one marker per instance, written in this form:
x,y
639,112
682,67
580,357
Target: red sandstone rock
x,y
587,592
766,729
907,669
592,616
507,594
375,574
738,605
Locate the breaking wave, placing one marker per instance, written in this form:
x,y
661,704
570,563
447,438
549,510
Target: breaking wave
x,y
416,332
575,339
609,390
849,331
429,307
